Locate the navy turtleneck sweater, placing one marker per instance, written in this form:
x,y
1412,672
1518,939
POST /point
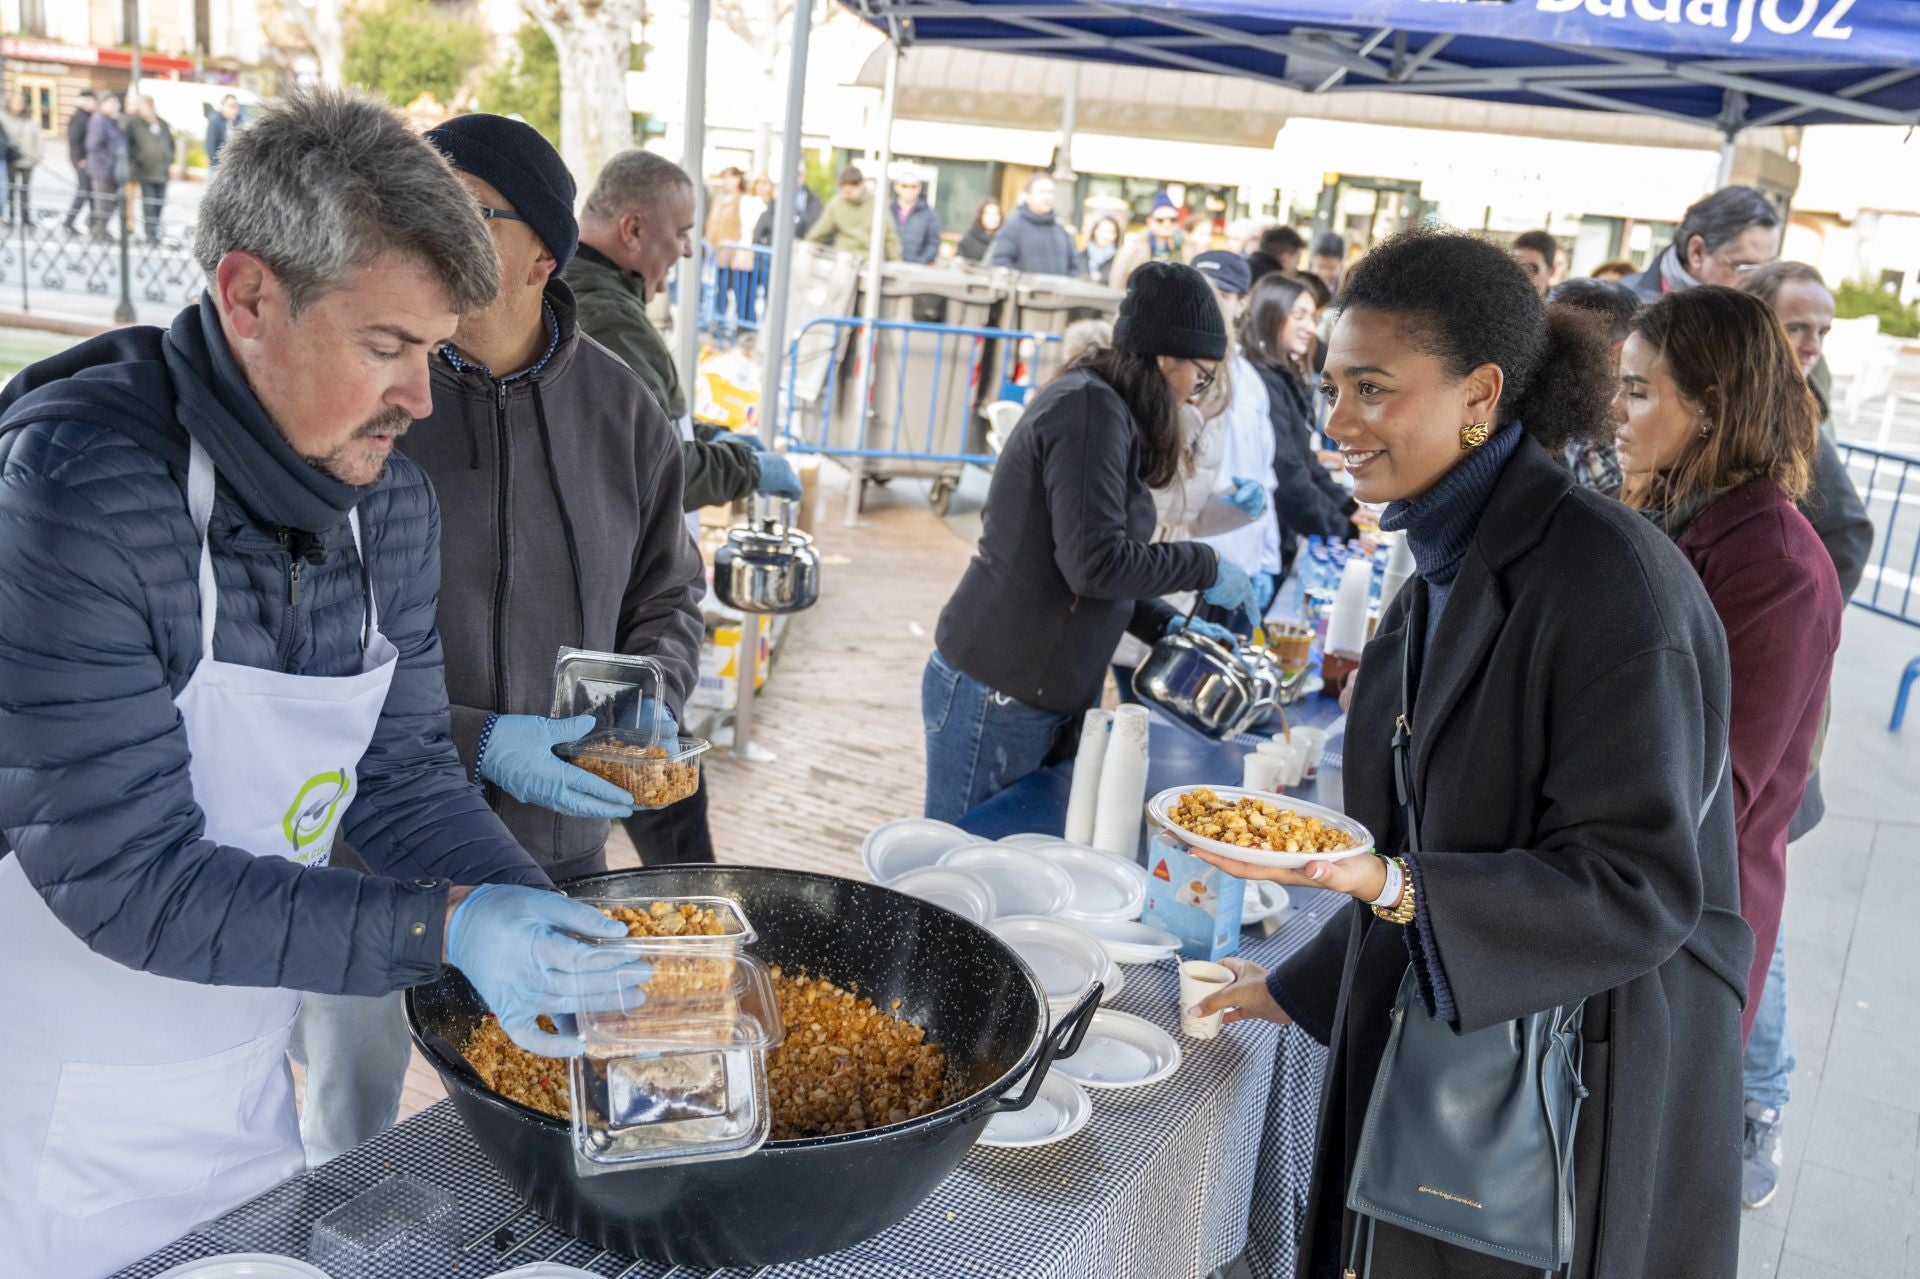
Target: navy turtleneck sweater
x,y
1440,523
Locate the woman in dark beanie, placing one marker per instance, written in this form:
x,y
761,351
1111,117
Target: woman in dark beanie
x,y
1716,443
1065,563
1567,719
1277,333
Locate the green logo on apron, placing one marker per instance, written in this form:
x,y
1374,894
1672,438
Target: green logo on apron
x,y
311,815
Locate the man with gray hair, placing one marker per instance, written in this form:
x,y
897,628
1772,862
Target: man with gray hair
x,y
218,655
1720,239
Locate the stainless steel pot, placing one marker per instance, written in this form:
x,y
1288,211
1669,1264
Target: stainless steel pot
x,y
766,565
1205,685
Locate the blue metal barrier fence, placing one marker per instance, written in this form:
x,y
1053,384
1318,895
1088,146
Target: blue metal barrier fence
x,y
1889,484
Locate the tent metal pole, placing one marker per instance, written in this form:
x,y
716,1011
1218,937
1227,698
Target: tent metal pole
x,y
1729,142
693,148
1069,124
773,332
869,346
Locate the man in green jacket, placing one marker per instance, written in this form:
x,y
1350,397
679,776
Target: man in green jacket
x,y
846,223
637,223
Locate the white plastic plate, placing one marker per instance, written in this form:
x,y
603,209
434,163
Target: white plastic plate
x,y
1104,886
1023,882
960,891
1027,840
893,848
546,1270
1262,901
1111,985
1121,1051
245,1265
1065,959
1061,1110
1160,805
1131,942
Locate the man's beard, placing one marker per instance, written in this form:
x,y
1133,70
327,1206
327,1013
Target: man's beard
x,y
340,463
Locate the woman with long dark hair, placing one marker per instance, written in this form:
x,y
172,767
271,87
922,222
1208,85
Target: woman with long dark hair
x,y
1717,432
1065,563
978,238
1558,681
1277,334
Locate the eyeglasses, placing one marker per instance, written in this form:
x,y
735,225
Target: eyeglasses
x,y
1207,376
1738,268
503,215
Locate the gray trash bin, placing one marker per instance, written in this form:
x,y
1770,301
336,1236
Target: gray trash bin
x,y
1048,304
926,384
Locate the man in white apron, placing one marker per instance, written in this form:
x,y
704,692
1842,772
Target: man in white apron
x,y
217,654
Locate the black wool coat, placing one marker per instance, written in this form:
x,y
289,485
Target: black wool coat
x,y
1569,727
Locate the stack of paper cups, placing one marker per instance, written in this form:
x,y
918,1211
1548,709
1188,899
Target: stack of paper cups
x,y
1347,626
1123,785
1087,767
1400,567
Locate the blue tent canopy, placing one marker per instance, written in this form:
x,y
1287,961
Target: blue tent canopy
x,y
1731,64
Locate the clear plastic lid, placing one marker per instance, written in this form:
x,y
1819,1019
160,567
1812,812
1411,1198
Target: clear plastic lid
x,y
674,1070
687,920
615,689
696,998
403,1225
655,774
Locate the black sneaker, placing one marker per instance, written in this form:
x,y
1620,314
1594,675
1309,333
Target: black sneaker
x,y
1761,1158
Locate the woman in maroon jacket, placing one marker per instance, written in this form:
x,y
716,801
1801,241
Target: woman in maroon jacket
x,y
1716,435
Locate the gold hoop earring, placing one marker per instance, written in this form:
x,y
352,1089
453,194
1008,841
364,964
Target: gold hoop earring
x,y
1472,437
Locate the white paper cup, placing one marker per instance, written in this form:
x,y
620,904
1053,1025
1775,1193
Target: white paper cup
x,y
1314,742
1260,771
1198,979
1292,761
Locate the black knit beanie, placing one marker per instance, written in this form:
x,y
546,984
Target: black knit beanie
x,y
516,161
1169,310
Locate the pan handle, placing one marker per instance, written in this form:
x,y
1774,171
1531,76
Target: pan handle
x,y
1063,1040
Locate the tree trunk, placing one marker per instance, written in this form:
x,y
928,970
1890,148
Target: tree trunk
x,y
323,25
594,39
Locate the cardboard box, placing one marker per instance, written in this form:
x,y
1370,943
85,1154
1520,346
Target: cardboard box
x,y
1198,903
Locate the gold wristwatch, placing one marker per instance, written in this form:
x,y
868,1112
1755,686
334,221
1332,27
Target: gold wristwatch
x,y
1402,911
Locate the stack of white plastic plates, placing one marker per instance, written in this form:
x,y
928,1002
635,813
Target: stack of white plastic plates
x,y
1104,886
893,848
1121,1051
1027,841
1065,959
960,891
245,1265
1061,1110
1132,942
1023,882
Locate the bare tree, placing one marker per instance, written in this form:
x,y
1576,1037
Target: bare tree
x,y
323,24
594,39
762,26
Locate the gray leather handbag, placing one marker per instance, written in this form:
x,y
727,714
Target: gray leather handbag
x,y
1468,1138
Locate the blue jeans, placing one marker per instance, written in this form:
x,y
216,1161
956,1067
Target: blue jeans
x,y
355,1049
1769,1061
979,742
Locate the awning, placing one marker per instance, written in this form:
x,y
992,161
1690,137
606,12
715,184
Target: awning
x,y
1208,164
938,140
1732,64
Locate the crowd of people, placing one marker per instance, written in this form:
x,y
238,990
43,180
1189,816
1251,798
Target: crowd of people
x,y
1634,539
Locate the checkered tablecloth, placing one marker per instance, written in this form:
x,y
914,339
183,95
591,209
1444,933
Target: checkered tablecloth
x,y
1156,1186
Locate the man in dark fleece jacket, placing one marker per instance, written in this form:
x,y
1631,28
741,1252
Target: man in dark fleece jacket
x,y
559,484
217,652
1032,239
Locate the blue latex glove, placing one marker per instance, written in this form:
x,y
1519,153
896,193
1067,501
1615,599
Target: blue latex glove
x,y
1231,590
741,439
519,759
1249,497
1262,590
1200,626
777,477
669,726
522,950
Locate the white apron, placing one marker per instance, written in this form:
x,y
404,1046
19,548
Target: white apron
x,y
133,1106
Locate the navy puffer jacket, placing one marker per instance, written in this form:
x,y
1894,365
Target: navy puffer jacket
x,y
99,631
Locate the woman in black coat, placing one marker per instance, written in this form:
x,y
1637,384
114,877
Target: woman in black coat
x,y
1066,561
1569,735
978,238
1277,332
